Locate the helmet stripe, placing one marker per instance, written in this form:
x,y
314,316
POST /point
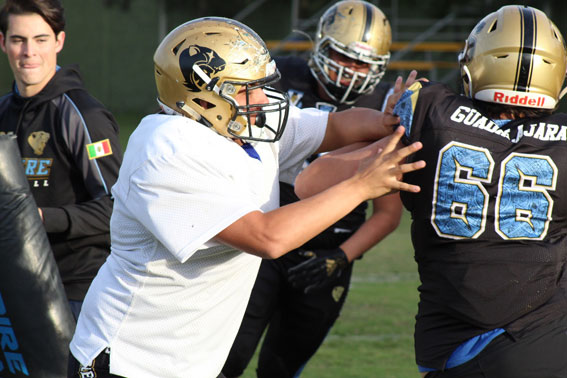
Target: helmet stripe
x,y
526,57
367,34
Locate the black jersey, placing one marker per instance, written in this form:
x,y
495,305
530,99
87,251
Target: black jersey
x,y
55,129
301,87
489,223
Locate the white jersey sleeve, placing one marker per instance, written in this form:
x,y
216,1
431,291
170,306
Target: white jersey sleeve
x,y
302,136
188,188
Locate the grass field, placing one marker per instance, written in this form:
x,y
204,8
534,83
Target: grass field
x,y
373,337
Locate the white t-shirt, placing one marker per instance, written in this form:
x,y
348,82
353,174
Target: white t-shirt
x,y
169,301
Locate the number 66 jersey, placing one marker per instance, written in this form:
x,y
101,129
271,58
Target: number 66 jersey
x,y
489,225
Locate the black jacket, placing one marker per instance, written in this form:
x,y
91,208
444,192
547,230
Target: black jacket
x,y
53,129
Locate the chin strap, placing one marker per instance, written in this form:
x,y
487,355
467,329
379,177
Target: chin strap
x,y
467,72
562,93
211,84
192,113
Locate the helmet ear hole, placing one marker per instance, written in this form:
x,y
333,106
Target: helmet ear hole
x,y
203,104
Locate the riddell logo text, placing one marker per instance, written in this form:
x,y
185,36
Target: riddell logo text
x,y
520,100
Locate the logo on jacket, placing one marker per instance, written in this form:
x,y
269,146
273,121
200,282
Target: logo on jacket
x,y
99,149
38,140
207,60
13,360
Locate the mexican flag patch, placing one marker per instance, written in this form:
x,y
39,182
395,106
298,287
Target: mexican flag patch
x,y
99,149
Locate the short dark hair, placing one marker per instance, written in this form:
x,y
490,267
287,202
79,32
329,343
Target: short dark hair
x,y
50,10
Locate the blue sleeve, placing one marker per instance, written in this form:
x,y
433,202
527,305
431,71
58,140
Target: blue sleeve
x,y
405,107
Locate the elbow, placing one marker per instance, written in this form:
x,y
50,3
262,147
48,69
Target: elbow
x,y
302,186
299,188
393,224
394,220
270,244
270,253
272,250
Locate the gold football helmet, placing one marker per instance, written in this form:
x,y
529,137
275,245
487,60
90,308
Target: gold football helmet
x,y
360,31
515,56
203,64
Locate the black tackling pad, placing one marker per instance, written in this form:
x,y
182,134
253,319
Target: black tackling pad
x,y
36,323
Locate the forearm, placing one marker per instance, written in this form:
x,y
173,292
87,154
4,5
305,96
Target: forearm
x,y
288,227
275,233
356,125
386,215
81,219
332,168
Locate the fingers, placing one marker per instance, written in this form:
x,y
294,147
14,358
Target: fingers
x,y
393,140
410,167
385,169
398,84
411,79
399,89
404,152
390,120
408,188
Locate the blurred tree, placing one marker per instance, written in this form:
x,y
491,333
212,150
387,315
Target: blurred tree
x,y
123,4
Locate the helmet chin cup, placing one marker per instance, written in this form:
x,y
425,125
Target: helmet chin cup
x,y
260,120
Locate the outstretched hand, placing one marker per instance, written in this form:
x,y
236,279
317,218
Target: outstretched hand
x,y
399,88
382,172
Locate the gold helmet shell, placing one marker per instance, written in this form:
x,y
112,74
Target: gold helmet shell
x,y
515,56
203,64
360,31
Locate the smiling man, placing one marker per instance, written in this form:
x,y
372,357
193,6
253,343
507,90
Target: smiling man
x,y
68,141
32,46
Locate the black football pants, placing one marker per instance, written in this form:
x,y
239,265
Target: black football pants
x,y
541,353
297,322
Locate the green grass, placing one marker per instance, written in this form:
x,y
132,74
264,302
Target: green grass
x,y
373,337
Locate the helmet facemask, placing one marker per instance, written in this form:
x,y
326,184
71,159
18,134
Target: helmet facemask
x,y
264,128
240,124
359,31
360,83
